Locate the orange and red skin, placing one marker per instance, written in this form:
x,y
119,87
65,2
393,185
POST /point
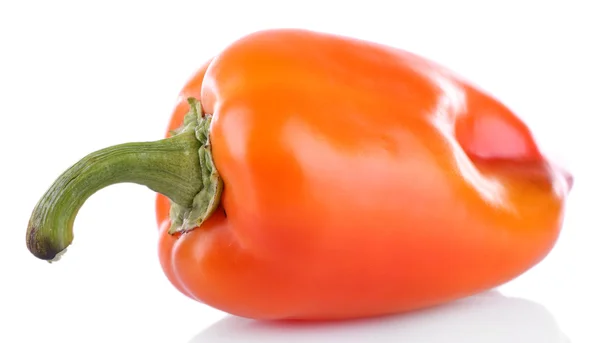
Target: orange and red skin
x,y
359,180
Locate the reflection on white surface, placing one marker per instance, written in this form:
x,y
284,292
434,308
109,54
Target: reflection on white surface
x,y
489,317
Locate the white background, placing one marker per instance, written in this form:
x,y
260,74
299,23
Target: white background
x,y
79,76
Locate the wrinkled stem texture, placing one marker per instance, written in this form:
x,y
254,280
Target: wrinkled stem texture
x,y
174,167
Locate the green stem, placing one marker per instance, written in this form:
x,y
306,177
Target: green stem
x,y
179,167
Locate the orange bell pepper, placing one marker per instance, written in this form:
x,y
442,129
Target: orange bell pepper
x,y
317,176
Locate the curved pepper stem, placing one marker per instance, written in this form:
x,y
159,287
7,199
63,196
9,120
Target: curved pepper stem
x,y
179,167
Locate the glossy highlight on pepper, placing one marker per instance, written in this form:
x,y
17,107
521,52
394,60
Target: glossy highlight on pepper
x,y
317,176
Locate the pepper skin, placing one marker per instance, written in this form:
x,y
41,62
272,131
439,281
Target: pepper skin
x,y
358,180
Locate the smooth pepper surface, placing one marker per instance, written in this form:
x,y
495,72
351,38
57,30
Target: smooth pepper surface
x,y
359,180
